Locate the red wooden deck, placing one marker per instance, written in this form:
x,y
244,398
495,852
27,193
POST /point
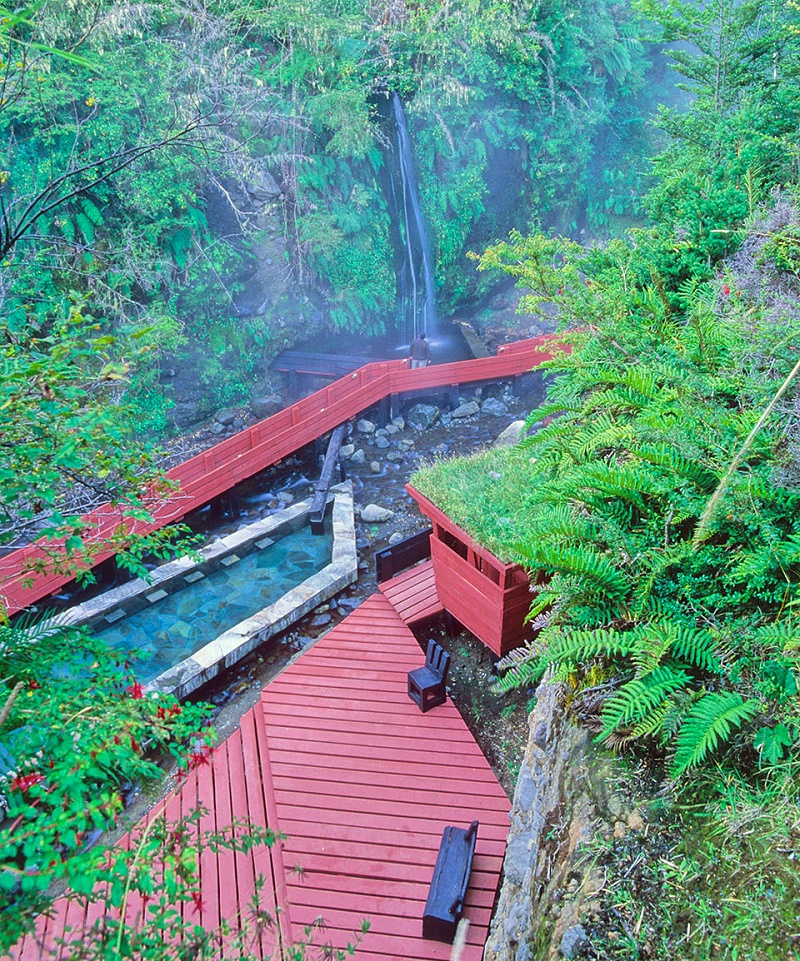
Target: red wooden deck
x,y
338,758
216,470
413,593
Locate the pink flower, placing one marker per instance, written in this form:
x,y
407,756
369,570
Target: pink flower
x,y
726,290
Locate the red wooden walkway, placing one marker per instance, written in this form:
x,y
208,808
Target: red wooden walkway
x,y
413,593
338,758
216,470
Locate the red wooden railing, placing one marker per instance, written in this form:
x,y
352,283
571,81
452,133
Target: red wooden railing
x,y
216,470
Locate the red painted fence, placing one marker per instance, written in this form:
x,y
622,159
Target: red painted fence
x,y
216,470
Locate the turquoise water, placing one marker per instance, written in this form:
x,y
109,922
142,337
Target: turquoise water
x,y
188,619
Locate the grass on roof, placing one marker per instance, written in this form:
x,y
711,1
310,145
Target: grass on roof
x,y
489,495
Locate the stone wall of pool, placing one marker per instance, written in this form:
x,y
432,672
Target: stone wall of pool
x,y
233,644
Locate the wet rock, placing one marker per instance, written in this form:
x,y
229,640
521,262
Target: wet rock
x,y
263,187
511,435
358,457
381,432
394,456
494,407
422,416
350,603
395,538
399,423
469,409
575,942
375,466
365,426
225,417
346,450
266,405
382,443
406,443
390,430
238,423
321,620
285,497
374,514
362,543
216,428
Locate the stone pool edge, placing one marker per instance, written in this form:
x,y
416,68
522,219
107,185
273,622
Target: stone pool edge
x,y
228,648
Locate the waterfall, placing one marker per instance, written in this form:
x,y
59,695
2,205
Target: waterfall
x,y
416,292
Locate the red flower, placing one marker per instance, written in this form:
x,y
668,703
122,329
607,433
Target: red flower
x,y
24,781
176,709
198,901
135,690
726,290
200,756
34,685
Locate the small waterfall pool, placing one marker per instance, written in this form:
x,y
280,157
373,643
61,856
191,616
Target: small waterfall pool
x,y
177,624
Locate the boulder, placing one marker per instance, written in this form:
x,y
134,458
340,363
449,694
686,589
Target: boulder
x,y
511,435
225,417
423,416
382,443
494,407
365,426
346,450
266,405
374,514
359,456
263,187
465,410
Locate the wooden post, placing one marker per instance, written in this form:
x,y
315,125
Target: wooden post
x,y
325,478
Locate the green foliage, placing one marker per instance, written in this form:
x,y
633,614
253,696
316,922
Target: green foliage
x,y
650,407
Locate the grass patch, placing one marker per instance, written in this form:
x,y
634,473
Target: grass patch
x,y
714,878
487,494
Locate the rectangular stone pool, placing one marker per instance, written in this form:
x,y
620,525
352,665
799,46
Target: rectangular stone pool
x,y
197,615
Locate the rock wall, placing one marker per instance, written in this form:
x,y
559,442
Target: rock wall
x,y
564,799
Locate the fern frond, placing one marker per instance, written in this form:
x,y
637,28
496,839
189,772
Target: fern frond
x,y
524,674
580,561
610,479
708,724
671,460
698,647
638,698
580,646
647,727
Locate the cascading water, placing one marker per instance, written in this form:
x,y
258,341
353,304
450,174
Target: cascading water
x,y
416,292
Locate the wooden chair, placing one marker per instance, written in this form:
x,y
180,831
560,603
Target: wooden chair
x,y
426,685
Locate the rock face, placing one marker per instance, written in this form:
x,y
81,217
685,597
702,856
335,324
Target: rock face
x,y
562,800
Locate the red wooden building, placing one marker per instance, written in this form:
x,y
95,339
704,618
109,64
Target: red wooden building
x,y
490,598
